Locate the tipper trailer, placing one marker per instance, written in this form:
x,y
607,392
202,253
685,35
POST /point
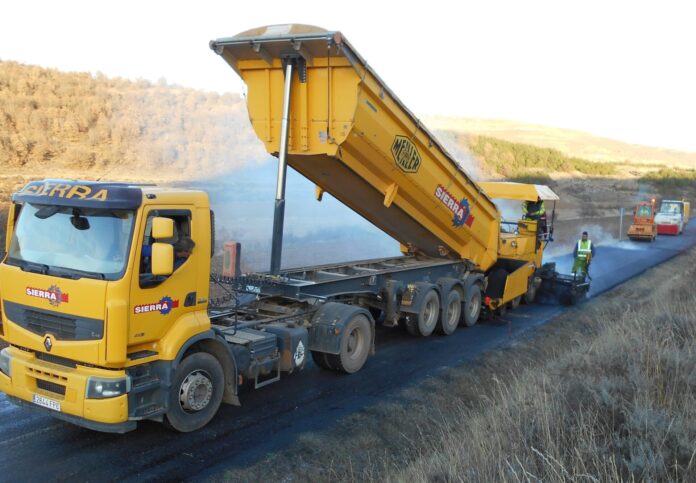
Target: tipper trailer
x,y
105,330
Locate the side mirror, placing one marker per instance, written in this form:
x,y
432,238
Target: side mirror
x,y
162,258
162,228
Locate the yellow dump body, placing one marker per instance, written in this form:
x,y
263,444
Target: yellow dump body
x,y
354,139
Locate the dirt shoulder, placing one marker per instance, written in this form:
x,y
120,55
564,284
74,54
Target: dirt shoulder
x,y
604,392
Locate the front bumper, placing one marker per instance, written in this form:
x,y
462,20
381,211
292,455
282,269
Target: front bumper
x,y
65,386
667,229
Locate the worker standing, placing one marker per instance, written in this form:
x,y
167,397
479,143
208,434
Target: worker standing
x,y
583,253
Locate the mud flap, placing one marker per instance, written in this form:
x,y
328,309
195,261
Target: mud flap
x,y
328,323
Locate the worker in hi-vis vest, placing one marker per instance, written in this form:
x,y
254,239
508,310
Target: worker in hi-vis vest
x,y
535,210
583,253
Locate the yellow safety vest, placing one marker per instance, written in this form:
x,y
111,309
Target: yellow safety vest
x,y
584,248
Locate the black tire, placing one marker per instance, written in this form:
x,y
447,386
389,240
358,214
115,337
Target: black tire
x,y
356,343
411,324
450,314
472,305
428,314
530,295
502,310
196,393
514,303
321,359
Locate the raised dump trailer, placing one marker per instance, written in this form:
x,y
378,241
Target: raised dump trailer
x,y
109,325
350,134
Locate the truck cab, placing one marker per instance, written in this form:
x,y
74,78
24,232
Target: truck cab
x,y
672,217
89,292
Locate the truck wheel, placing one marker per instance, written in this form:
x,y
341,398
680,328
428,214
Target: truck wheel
x,y
321,360
356,342
196,393
426,320
449,317
529,297
472,305
514,303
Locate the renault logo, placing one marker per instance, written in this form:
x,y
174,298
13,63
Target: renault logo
x,y
48,344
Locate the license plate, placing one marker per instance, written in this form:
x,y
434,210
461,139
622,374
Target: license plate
x,y
47,403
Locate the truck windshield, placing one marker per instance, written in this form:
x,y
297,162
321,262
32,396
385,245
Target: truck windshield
x,y
671,207
72,242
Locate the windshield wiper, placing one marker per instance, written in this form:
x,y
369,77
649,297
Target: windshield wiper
x,y
75,274
32,267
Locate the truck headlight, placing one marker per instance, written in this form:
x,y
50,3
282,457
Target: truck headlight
x,y
6,362
102,388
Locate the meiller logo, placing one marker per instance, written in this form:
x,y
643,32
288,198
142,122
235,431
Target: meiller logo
x,y
54,295
405,154
164,306
460,209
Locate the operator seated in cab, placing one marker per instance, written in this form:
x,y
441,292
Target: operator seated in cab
x,y
182,250
535,210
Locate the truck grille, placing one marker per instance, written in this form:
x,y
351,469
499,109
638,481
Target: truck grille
x,y
63,327
62,361
40,323
51,387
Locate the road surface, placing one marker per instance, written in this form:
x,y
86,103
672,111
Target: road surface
x,y
35,447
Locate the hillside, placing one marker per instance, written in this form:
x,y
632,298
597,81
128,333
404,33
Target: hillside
x,y
78,125
55,123
571,142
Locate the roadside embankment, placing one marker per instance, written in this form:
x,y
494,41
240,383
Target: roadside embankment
x,y
604,392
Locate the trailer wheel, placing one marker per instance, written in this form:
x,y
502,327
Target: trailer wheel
x,y
425,320
196,393
321,359
451,313
472,305
356,342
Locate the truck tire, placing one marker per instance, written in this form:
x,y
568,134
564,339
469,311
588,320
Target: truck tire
x,y
196,393
514,303
530,295
356,342
472,305
425,320
450,313
321,360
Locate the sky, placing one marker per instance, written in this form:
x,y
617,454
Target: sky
x,y
621,69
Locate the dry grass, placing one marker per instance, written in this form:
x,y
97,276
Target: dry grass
x,y
604,393
572,142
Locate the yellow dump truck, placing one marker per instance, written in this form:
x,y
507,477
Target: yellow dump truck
x,y
109,324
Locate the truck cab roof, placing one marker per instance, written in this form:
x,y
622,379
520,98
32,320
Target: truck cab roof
x,y
98,194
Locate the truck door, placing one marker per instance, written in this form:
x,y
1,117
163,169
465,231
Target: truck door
x,y
156,302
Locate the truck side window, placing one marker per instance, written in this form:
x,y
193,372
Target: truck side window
x,y
182,228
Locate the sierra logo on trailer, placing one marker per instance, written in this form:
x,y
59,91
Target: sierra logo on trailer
x,y
54,295
460,209
405,154
164,306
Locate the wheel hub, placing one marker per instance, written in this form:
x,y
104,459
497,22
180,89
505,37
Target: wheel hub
x,y
196,391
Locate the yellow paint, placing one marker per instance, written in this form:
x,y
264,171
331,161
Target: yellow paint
x,y
390,194
26,369
344,120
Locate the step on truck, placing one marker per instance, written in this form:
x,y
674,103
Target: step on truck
x,y
105,329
